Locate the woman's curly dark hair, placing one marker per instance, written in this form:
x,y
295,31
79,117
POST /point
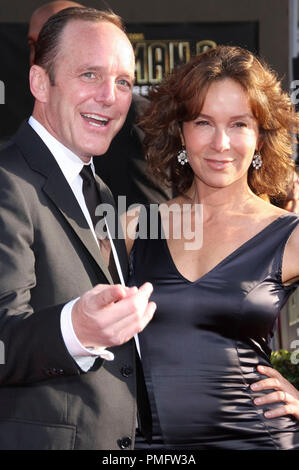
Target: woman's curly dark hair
x,y
180,97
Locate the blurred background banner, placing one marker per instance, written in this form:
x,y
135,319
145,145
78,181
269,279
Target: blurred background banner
x,y
160,46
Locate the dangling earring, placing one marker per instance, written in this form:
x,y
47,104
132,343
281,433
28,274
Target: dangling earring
x,y
257,161
182,157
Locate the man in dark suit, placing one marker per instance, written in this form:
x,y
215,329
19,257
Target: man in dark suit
x,y
60,387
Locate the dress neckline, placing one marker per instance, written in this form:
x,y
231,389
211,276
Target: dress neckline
x,y
226,258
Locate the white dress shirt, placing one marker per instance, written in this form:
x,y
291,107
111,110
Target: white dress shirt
x,y
71,166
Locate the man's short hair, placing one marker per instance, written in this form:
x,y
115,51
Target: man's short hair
x,y
47,46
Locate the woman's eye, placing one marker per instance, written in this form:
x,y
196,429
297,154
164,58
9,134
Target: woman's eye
x,y
202,123
240,124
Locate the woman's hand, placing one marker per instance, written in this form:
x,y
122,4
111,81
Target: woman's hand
x,y
284,392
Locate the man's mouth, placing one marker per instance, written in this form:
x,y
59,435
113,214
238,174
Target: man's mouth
x,y
95,119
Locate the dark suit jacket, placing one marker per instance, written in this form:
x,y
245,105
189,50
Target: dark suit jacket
x,y
47,257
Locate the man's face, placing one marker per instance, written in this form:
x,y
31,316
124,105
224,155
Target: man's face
x,y
93,75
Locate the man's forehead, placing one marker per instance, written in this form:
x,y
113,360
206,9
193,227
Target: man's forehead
x,y
80,39
89,30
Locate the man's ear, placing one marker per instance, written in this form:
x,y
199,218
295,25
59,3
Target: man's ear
x,y
39,83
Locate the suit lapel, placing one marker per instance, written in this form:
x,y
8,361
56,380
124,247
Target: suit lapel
x,y
62,196
58,190
115,227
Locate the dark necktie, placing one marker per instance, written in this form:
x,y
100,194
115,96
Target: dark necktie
x,y
93,199
90,192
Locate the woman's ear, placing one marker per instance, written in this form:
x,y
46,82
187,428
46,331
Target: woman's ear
x,y
260,143
181,134
39,83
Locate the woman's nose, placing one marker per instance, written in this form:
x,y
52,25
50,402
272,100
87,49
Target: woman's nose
x,y
221,140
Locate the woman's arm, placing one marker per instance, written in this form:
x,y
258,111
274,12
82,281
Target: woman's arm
x,y
284,391
290,266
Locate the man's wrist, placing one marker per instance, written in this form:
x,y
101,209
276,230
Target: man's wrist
x,y
73,345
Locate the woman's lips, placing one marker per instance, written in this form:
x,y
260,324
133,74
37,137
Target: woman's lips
x,y
218,164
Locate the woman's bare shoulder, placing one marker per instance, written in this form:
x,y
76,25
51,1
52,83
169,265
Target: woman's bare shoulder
x,y
266,212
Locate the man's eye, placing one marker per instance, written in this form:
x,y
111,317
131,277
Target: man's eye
x,y
88,75
125,83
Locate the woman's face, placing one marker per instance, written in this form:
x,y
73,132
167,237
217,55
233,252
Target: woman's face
x,y
222,140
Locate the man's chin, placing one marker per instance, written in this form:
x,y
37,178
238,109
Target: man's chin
x,y
88,151
93,145
100,151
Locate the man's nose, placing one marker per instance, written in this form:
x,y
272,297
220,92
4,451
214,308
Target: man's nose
x,y
106,92
221,140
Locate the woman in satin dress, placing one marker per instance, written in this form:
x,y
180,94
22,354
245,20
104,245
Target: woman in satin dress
x,y
219,130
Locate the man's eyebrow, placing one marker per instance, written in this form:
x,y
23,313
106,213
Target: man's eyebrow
x,y
99,68
88,67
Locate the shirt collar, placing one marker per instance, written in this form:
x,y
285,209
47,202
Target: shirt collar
x,y
69,163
